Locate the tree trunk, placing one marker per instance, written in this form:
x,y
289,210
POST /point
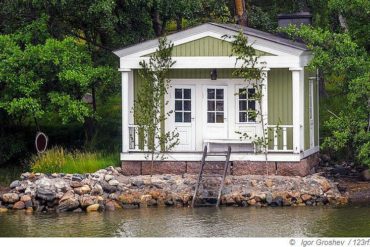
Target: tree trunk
x,y
156,22
241,13
179,23
343,22
322,90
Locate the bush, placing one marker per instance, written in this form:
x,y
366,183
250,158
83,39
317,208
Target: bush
x,y
59,160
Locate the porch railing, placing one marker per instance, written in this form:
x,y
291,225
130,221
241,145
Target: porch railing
x,y
136,139
280,138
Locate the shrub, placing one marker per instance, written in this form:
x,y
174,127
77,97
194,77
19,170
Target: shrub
x,y
59,160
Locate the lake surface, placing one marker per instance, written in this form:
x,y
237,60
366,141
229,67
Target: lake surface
x,y
188,222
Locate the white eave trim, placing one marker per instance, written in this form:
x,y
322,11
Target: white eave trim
x,y
204,31
216,62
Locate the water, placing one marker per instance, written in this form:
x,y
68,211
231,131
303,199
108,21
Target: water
x,y
188,222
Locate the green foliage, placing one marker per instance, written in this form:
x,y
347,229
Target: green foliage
x,y
345,66
10,173
61,161
149,107
53,76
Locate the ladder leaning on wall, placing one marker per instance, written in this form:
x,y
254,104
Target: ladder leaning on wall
x,y
213,197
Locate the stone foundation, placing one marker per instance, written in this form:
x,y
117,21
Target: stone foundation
x,y
238,168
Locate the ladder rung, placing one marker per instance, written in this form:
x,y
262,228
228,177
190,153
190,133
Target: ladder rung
x,y
216,154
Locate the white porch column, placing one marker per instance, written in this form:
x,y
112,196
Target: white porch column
x,y
264,101
125,109
297,84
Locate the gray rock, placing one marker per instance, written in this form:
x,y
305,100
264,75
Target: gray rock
x,y
14,184
68,205
25,175
269,198
113,182
108,177
366,175
78,210
97,190
47,194
138,183
108,188
77,177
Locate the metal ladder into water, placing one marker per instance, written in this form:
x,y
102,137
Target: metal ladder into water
x,y
213,197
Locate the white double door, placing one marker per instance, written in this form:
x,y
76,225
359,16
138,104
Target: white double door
x,y
197,118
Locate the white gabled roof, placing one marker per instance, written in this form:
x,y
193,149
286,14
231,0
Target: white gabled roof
x,y
261,40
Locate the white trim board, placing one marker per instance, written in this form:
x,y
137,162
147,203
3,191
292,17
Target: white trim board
x,y
217,62
278,157
208,29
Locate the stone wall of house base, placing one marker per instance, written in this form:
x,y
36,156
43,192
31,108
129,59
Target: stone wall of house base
x,y
238,167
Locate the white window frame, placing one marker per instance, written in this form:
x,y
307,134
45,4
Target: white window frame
x,y
237,110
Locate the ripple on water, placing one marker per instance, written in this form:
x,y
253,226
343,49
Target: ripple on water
x,y
188,222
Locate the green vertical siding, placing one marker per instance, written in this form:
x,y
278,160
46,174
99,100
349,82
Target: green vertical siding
x,y
185,74
207,46
280,106
280,98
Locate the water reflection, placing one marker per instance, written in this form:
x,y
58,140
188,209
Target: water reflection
x,y
187,222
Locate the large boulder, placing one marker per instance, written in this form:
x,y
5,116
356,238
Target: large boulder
x,y
87,200
97,190
82,190
14,184
19,205
68,202
10,197
93,208
47,194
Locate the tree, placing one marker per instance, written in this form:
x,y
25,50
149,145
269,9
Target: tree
x,y
149,108
345,66
52,76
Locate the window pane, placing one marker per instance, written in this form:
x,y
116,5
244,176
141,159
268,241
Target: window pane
x,y
178,105
210,93
187,93
219,93
178,93
187,117
219,117
187,105
242,117
252,105
242,105
178,117
210,117
219,105
242,93
251,92
251,117
211,105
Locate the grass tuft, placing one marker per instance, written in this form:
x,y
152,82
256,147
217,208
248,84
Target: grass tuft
x,y
60,160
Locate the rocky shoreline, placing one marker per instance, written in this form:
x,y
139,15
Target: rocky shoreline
x,y
109,190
